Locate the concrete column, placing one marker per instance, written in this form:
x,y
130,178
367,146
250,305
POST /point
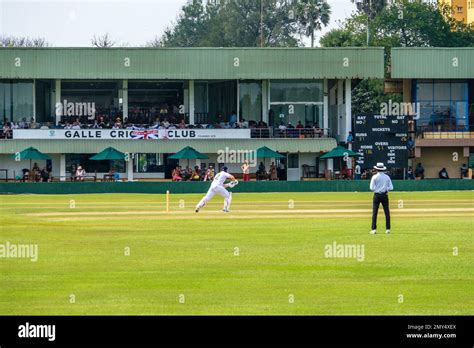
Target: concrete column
x,y
340,110
325,124
62,167
57,88
34,101
265,104
348,116
130,168
124,99
191,102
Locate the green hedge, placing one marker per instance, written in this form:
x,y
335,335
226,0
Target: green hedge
x,y
201,187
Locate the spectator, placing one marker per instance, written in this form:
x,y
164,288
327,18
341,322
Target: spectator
x,y
443,174
410,175
26,174
262,172
282,126
196,174
176,175
410,143
182,125
165,123
246,171
357,172
80,174
464,171
273,172
209,174
45,176
419,171
318,132
299,125
350,138
233,118
35,167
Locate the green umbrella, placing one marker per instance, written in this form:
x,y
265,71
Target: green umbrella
x,y
32,154
340,152
188,153
265,152
110,154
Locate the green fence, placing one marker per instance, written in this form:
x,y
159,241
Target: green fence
x,y
201,187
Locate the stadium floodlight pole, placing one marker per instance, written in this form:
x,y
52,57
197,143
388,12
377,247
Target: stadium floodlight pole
x,y
369,8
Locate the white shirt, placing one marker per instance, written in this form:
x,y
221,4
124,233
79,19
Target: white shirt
x,y
381,183
220,179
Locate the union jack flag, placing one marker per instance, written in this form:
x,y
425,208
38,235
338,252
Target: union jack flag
x,y
142,133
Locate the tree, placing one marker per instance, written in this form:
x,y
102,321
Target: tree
x,y
103,41
232,24
311,15
14,41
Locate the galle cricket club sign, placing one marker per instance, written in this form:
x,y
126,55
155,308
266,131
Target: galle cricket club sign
x,y
131,134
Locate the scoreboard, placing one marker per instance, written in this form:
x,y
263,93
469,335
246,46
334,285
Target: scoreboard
x,y
381,138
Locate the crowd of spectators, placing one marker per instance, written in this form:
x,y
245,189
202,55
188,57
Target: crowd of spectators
x,y
192,174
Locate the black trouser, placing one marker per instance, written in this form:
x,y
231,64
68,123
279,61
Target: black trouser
x,y
380,198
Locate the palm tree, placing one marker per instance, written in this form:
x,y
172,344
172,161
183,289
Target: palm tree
x,y
311,15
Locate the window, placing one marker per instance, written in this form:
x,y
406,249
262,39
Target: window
x,y
443,105
459,8
293,161
251,101
296,101
148,163
16,100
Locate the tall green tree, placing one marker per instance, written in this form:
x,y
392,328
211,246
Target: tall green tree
x,y
242,23
312,15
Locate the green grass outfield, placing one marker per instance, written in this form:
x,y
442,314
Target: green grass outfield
x,y
281,240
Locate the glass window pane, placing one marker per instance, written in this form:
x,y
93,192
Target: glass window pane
x,y
442,91
296,91
424,91
251,101
22,100
459,91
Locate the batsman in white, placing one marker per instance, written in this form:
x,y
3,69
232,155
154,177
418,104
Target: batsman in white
x,y
219,186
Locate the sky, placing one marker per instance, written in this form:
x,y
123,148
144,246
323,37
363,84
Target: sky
x,y
72,23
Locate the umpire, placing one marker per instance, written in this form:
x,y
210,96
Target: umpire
x,y
380,185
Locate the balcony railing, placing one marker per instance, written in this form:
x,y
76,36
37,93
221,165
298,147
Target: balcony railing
x,y
439,132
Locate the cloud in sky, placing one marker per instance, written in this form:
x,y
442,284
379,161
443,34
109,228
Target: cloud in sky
x,y
133,22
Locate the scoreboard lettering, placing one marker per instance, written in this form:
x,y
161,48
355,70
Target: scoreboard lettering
x,y
381,138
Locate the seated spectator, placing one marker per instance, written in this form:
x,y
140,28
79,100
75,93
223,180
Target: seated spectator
x,y
261,172
443,174
26,174
196,174
419,171
186,173
45,175
80,174
282,126
165,123
299,125
290,126
209,174
35,167
182,125
233,118
176,175
318,132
